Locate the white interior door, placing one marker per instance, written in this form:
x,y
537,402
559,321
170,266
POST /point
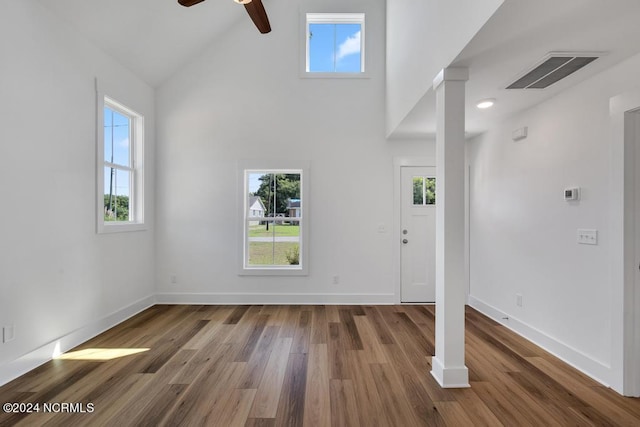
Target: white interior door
x,y
418,237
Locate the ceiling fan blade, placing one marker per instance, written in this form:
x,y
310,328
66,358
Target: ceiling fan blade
x,y
256,11
187,3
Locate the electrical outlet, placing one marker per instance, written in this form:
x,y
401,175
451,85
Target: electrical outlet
x,y
174,279
336,280
8,333
519,300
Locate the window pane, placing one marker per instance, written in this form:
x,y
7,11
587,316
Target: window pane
x,y
321,47
335,48
108,127
123,190
117,189
278,193
418,191
116,138
109,194
348,47
431,191
274,253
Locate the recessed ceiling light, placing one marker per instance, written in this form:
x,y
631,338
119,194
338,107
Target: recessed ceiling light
x,y
486,103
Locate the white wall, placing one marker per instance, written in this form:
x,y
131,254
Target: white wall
x,y
244,99
59,281
422,38
523,234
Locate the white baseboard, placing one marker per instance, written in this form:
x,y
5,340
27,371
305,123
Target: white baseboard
x,y
45,353
274,299
589,366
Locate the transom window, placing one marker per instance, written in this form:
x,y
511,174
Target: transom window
x,y
424,191
335,43
120,180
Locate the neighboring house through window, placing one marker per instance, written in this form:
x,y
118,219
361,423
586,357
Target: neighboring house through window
x,y
256,209
293,208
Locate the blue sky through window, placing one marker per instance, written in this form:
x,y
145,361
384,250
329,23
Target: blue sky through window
x,y
116,150
116,137
254,181
335,48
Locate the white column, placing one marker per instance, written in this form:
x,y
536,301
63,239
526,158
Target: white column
x,y
448,366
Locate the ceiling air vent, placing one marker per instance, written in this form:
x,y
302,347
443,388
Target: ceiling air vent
x,y
553,67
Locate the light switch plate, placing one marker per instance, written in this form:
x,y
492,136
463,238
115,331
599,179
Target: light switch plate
x,y
587,236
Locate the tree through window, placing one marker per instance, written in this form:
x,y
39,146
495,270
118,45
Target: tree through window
x,y
424,191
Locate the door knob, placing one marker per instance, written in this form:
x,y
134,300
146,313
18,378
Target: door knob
x,y
405,241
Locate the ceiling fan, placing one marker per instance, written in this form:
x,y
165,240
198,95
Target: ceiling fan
x,y
254,8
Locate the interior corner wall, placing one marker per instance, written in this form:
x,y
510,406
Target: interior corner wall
x,y
441,29
243,99
60,282
523,234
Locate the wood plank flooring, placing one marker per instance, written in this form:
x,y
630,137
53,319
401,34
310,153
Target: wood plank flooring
x,y
309,366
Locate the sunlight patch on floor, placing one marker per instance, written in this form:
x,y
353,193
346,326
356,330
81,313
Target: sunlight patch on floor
x,y
100,353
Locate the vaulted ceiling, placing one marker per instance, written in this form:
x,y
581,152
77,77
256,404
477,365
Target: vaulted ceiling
x,y
155,38
152,38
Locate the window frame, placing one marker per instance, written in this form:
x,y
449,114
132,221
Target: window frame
x,y
261,166
334,18
135,168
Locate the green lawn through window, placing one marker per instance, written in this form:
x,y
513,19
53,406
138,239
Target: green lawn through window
x,y
281,230
268,253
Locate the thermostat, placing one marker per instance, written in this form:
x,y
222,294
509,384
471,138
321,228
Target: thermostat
x,y
572,193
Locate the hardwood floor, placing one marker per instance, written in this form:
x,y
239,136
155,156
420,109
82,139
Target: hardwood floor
x,y
307,365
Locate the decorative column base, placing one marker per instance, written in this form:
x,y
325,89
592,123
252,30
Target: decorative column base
x,y
457,377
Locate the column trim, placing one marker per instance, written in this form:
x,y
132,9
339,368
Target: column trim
x,y
451,74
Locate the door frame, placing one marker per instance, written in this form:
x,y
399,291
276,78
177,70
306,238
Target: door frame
x,y
426,161
398,164
625,130
632,289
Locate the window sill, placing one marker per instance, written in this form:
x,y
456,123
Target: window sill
x,y
275,271
107,228
309,75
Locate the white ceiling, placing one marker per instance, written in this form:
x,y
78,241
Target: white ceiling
x,y
516,38
154,38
